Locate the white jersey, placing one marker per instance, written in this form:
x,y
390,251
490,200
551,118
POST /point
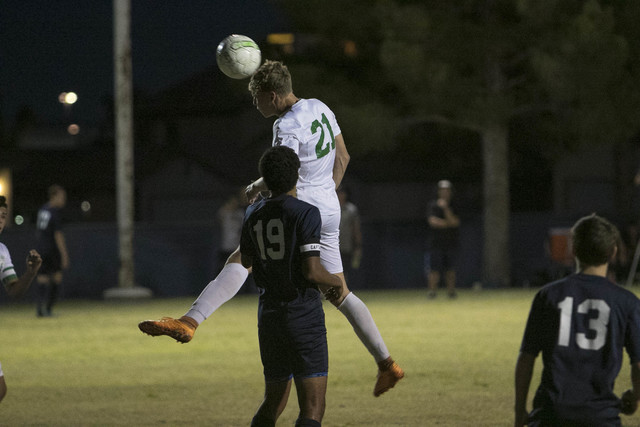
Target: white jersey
x,y
310,128
6,266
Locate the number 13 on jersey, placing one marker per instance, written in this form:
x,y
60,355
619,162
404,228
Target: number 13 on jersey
x,y
598,323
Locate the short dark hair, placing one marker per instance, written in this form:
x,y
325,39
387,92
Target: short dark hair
x,y
594,240
3,202
279,168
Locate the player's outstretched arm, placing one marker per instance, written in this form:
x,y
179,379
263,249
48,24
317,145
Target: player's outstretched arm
x,y
631,397
524,371
19,286
329,284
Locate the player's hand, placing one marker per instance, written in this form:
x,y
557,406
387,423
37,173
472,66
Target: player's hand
x,y
333,293
629,402
34,261
251,192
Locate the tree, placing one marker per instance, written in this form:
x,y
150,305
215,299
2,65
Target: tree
x,y
565,65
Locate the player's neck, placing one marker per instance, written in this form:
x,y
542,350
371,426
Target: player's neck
x,y
293,192
594,270
287,103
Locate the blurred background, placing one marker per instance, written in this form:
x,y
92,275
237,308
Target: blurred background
x,y
531,108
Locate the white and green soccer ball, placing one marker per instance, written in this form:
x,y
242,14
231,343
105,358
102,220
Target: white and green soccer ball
x,y
238,56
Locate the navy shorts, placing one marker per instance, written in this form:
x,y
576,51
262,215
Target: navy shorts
x,y
293,337
443,259
51,263
541,418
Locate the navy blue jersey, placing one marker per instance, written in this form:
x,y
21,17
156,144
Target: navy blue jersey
x,y
48,222
581,324
278,234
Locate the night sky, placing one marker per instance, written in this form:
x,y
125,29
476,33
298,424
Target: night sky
x,y
48,47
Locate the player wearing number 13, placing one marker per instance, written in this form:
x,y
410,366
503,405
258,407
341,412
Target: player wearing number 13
x,y
581,325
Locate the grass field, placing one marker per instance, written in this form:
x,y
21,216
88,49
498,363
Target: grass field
x,y
90,365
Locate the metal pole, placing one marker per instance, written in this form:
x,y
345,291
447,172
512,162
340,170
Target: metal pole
x,y
124,138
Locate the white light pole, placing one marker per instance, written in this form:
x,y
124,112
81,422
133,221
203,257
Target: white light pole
x,y
124,151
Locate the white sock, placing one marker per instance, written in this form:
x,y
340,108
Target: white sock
x,y
218,291
362,322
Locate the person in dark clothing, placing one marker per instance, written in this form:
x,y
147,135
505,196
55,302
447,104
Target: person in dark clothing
x,y
52,247
443,253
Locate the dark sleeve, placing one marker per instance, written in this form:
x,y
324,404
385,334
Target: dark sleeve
x,y
632,337
309,232
247,247
534,333
56,221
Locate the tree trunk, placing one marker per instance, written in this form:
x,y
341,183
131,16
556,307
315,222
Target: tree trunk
x,y
496,265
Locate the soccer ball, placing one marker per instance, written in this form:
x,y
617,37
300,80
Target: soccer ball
x,y
238,56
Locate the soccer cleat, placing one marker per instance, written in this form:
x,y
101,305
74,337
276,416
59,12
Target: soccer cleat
x,y
387,378
177,329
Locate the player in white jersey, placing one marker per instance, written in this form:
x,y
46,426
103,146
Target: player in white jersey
x,y
14,285
310,128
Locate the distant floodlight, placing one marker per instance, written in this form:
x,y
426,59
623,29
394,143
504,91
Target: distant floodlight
x,y
73,129
67,98
70,98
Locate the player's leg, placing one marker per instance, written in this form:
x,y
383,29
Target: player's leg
x,y
311,399
44,282
355,310
435,267
276,395
54,287
3,385
433,280
275,355
450,281
450,274
217,292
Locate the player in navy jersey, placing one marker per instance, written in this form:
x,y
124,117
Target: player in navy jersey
x,y
280,241
53,249
581,325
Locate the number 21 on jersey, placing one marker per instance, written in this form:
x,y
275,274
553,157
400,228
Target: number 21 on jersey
x,y
323,149
597,323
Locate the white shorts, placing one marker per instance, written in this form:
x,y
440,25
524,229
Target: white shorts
x,y
329,206
1,373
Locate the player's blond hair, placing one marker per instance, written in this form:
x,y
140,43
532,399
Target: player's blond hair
x,y
271,76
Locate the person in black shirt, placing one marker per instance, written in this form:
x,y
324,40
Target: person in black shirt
x,y
581,324
52,247
443,255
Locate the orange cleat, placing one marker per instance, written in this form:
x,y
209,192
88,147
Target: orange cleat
x,y
178,329
387,378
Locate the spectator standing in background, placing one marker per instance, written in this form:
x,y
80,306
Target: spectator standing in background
x,y
444,224
230,217
52,247
350,235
